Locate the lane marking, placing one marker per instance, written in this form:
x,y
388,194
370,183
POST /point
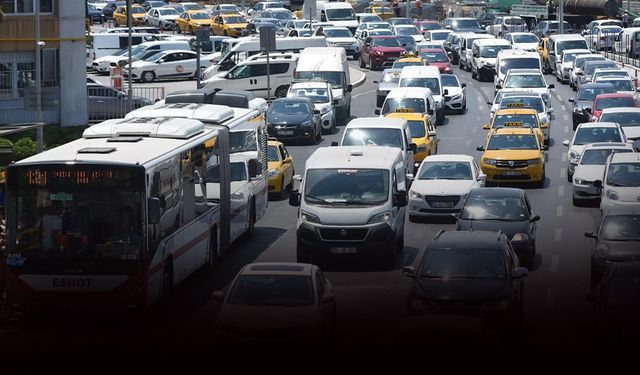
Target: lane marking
x,y
561,190
555,263
564,156
565,117
564,107
563,172
557,236
566,129
362,93
551,298
559,210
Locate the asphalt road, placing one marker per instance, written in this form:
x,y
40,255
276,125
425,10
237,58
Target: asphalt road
x,y
371,302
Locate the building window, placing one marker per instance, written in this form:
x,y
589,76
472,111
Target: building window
x,y
6,80
26,6
17,71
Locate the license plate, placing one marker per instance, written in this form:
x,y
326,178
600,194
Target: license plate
x,y
442,204
285,132
512,173
343,250
391,58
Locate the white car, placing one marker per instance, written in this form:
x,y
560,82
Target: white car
x,y
609,72
565,65
528,79
320,94
338,36
439,36
441,185
163,18
456,100
103,64
621,181
291,302
410,30
371,26
628,118
623,85
170,64
576,67
524,41
528,99
590,132
502,25
590,168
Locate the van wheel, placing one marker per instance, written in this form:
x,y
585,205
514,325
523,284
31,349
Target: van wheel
x,y
148,76
281,91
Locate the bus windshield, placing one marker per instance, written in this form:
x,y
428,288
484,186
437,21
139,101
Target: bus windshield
x,y
86,218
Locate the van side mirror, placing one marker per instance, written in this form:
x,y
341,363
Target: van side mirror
x,y
463,85
294,198
316,111
400,199
377,111
480,148
552,86
446,91
520,272
597,183
486,126
590,234
218,295
412,147
409,271
153,210
498,87
535,218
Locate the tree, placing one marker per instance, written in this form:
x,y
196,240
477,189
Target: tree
x,y
1,15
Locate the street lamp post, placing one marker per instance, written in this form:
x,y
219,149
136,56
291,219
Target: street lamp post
x,y
129,80
38,78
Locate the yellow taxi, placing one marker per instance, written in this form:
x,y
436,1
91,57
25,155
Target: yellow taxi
x,y
382,12
192,21
409,59
423,134
516,116
513,155
281,169
228,25
137,15
543,51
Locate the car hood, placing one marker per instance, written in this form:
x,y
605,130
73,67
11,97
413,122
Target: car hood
x,y
461,289
582,104
632,132
260,318
170,18
589,172
510,228
512,154
442,187
388,49
453,90
627,194
288,119
622,250
386,86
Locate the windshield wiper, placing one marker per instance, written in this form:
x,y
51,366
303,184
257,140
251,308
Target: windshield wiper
x,y
317,199
431,277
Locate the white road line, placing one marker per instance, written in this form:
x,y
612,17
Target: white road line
x,y
564,107
566,129
559,210
557,236
555,262
565,117
551,298
564,156
563,172
561,190
362,93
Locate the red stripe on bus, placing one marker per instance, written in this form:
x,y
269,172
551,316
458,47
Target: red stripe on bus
x,y
186,247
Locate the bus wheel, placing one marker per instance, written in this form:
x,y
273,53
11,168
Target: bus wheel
x,y
167,278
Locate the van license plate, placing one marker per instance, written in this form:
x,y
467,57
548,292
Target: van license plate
x,y
285,132
343,250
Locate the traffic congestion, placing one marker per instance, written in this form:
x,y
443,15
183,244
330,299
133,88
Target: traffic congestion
x,y
374,180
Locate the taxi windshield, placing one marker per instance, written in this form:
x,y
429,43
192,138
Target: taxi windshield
x,y
518,120
417,128
402,64
234,20
523,101
199,16
513,142
404,105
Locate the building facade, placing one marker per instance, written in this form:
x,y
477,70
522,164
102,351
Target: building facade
x,y
63,71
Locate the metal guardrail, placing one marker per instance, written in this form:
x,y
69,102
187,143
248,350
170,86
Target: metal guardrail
x,y
109,106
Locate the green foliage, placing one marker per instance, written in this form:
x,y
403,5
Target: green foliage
x,y
5,143
1,15
24,148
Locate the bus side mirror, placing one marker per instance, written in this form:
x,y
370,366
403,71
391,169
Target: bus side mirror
x,y
153,210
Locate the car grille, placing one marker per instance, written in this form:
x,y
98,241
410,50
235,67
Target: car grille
x,y
459,306
343,234
516,163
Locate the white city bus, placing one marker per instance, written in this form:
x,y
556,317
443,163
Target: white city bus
x,y
121,215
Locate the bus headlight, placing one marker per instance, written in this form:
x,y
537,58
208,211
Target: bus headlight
x,y
613,195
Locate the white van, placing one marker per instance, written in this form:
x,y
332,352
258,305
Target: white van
x,y
335,12
251,75
144,50
352,203
466,44
101,45
251,46
429,77
330,64
628,42
515,59
381,131
408,99
484,53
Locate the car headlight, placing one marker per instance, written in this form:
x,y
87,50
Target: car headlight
x,y
613,195
501,305
578,181
534,161
603,251
382,217
490,161
307,124
309,217
379,53
414,194
272,173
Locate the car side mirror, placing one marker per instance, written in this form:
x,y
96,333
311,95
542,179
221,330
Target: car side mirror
x,y
376,82
316,111
550,110
400,199
482,177
409,271
545,148
597,183
431,133
486,126
409,176
294,198
334,144
430,112
565,143
587,110
535,218
446,91
480,148
328,297
498,87
552,86
377,111
573,161
590,234
520,272
160,61
349,87
218,295
153,210
412,147
463,85
490,103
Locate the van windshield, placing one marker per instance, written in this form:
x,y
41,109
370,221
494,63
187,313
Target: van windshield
x,y
492,51
519,63
348,187
571,44
430,83
373,137
336,79
345,14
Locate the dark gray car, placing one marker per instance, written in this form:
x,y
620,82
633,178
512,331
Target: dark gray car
x,y
502,209
294,119
583,102
104,102
389,80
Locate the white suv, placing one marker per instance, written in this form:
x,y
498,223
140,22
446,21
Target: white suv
x,y
531,80
251,75
621,182
320,94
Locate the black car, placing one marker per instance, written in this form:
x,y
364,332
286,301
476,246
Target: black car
x,y
93,13
452,47
463,24
583,102
486,19
504,209
294,118
617,239
111,7
254,26
153,4
468,273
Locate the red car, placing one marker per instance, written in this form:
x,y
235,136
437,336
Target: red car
x,y
437,57
603,101
380,51
425,26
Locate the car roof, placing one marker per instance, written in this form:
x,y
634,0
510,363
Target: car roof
x,y
409,92
477,240
625,157
409,116
566,37
593,125
614,95
524,71
594,85
496,41
345,157
278,268
621,109
622,209
369,122
516,111
449,157
608,145
513,131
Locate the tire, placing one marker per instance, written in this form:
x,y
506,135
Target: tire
x,y
302,255
290,185
531,256
569,177
576,202
147,76
281,91
400,244
379,101
474,75
540,184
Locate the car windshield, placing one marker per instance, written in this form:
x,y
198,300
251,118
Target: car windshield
x,y
381,32
405,30
571,44
570,57
335,79
620,84
430,83
402,64
417,128
524,81
137,10
610,73
272,290
199,16
237,171
518,120
465,24
620,228
233,19
373,137
598,156
624,175
625,119
407,41
611,30
513,142
385,42
344,14
317,95
337,33
449,80
525,38
593,135
429,26
289,108
370,18
519,63
582,61
627,101
168,12
379,26
272,153
404,105
358,187
391,77
534,102
445,170
590,68
463,263
492,51
591,93
514,21
481,207
434,56
282,15
442,35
